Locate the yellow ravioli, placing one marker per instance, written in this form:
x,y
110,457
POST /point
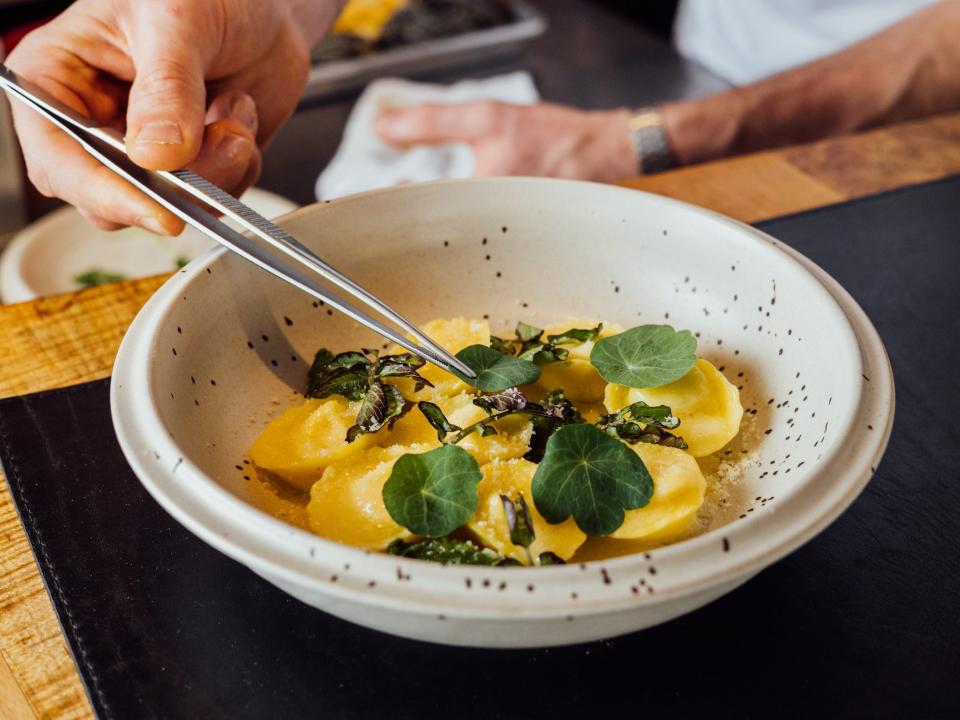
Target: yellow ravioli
x,y
413,428
511,441
299,444
591,412
582,351
707,404
579,379
489,523
346,503
678,490
453,335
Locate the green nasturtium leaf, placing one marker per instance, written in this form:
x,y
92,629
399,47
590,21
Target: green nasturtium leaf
x,y
645,356
433,493
591,476
448,551
495,371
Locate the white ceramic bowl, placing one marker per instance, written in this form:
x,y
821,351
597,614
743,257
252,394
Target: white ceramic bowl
x,y
222,347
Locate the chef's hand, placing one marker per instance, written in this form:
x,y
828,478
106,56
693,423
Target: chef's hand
x,y
198,83
541,139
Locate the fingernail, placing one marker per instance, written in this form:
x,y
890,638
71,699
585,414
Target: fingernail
x,y
244,110
148,222
233,148
159,132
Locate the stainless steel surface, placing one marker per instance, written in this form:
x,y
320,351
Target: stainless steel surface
x,y
107,146
336,76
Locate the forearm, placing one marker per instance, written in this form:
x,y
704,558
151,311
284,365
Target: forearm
x,y
910,70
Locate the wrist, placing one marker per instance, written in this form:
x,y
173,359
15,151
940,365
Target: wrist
x,y
614,145
703,129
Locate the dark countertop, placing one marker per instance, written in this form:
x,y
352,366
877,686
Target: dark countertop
x,y
589,56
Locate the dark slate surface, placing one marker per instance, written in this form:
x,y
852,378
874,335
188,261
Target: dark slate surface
x,y
860,623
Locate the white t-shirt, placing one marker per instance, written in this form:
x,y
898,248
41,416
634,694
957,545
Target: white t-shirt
x,y
745,40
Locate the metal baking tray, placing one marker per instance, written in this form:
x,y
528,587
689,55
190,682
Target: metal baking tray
x,y
338,76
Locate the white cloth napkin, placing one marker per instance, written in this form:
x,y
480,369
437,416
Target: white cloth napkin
x,y
365,162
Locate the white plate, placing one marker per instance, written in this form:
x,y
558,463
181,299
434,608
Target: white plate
x,y
46,256
223,346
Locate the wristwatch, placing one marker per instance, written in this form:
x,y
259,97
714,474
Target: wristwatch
x,y
650,141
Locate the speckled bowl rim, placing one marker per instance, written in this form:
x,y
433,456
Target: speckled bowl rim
x,y
300,559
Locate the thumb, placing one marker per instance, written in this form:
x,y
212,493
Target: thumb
x,y
439,123
165,112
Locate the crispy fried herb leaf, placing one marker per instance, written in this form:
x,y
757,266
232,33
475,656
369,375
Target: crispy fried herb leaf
x,y
514,401
556,405
357,376
575,336
509,399
349,360
529,343
541,354
549,558
633,433
591,476
321,361
519,521
645,356
659,415
495,371
404,365
506,347
484,427
555,411
448,551
437,419
433,493
640,422
346,374
382,406
527,333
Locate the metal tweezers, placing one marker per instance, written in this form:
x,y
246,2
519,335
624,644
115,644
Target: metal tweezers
x,y
178,191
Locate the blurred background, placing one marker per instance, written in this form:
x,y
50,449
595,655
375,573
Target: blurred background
x,y
587,53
